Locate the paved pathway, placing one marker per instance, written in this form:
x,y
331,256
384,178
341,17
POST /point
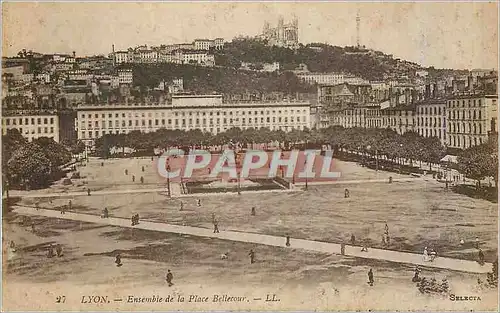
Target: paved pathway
x,y
175,189
150,190
378,254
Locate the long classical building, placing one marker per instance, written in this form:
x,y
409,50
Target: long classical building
x,y
186,112
33,126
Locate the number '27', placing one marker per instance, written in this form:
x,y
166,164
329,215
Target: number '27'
x,y
61,299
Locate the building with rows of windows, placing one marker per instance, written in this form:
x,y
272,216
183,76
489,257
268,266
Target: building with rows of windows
x,y
471,119
431,119
186,112
33,126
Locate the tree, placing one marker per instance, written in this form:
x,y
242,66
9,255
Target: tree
x,y
30,167
55,152
474,163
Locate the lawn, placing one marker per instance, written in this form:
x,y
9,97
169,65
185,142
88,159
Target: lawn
x,y
418,213
299,278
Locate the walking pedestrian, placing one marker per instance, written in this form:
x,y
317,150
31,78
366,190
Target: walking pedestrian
x,y
143,168
105,213
346,193
33,227
386,229
342,248
287,240
433,255
252,256
118,260
253,211
477,242
416,277
142,180
133,220
133,178
481,257
426,255
370,277
59,251
126,172
216,226
70,205
353,239
63,207
88,192
182,206
50,253
170,277
198,202
137,219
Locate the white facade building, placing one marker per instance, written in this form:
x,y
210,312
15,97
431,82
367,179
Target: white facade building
x,y
322,78
186,112
125,76
33,126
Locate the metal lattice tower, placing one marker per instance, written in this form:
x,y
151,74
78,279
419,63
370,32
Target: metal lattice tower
x,y
358,20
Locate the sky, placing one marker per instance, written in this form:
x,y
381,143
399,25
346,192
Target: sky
x,y
460,35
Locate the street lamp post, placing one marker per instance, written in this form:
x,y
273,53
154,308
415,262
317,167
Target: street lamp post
x,y
168,181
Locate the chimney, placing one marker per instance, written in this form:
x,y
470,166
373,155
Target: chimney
x,y
470,83
427,91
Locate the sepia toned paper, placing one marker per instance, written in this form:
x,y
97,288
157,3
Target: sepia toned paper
x,y
388,112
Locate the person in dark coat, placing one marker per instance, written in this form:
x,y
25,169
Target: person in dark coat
x,y
253,211
118,260
50,253
198,202
416,278
59,251
137,219
481,257
353,239
88,192
287,240
342,248
170,277
105,213
370,277
346,193
216,226
133,220
63,209
133,178
252,256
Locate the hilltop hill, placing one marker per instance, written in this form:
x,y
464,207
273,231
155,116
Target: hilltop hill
x,y
369,64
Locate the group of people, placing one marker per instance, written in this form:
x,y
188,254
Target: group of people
x,y
135,219
429,256
58,251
